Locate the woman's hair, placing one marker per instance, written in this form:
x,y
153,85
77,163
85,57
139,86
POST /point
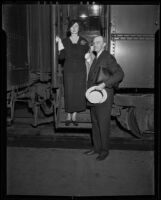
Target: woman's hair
x,y
71,23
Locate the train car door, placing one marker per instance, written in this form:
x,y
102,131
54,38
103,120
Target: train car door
x,y
95,20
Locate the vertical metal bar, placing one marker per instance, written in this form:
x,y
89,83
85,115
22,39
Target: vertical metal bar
x,y
59,34
104,21
53,46
88,8
40,11
68,11
108,27
58,18
3,16
28,33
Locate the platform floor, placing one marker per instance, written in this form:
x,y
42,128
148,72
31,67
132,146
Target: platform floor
x,y
68,172
43,162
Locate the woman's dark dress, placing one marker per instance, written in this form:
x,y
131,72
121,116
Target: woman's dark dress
x,y
74,74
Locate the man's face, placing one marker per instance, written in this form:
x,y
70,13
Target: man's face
x,y
98,44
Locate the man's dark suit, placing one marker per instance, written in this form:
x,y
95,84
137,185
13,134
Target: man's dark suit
x,y
101,113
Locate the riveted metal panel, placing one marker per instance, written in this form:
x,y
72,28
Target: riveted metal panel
x,y
132,42
137,60
142,19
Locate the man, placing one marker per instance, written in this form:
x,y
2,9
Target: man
x,y
101,113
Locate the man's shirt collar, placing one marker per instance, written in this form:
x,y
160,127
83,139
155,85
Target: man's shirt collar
x,y
99,53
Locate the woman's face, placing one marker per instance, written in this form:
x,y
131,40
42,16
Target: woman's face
x,y
74,28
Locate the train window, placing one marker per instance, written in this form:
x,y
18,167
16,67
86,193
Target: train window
x,y
91,24
89,16
89,10
95,10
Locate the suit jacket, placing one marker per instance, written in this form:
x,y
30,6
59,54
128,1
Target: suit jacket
x,y
109,64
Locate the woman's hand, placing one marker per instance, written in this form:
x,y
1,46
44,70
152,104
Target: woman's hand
x,y
57,39
60,44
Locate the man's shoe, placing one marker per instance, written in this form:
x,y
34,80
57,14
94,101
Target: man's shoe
x,y
90,152
102,156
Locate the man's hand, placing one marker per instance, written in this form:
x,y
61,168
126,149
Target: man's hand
x,y
101,86
91,49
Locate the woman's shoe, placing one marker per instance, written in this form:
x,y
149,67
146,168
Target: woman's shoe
x,y
75,123
68,122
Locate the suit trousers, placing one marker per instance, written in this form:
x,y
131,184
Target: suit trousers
x,y
101,120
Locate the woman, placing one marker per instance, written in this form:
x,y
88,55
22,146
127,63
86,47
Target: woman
x,y
73,50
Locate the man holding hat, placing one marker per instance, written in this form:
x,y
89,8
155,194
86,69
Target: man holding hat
x,y
101,112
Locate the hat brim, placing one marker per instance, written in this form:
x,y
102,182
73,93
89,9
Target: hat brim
x,y
100,99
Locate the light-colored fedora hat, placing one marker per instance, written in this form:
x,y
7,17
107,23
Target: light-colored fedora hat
x,y
96,96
